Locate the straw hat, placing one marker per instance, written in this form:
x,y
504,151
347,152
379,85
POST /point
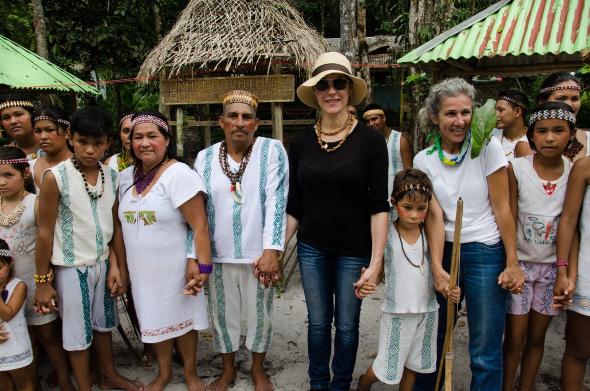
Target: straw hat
x,y
326,64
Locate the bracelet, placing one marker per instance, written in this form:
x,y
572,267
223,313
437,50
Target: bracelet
x,y
205,268
561,263
41,279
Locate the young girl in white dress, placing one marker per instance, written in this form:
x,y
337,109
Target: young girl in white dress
x,y
16,354
409,319
537,185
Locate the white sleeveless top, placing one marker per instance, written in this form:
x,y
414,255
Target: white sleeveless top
x,y
581,297
84,227
507,145
21,241
538,211
114,162
16,352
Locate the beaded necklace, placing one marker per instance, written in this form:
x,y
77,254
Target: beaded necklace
x,y
348,123
325,144
234,177
94,195
141,180
14,216
401,242
454,161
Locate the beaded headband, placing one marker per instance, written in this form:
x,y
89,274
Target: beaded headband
x,y
415,187
369,113
16,103
552,114
123,118
14,161
555,88
513,101
150,119
241,96
48,118
5,253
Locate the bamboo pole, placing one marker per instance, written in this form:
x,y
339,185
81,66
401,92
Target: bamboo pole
x,y
454,274
180,130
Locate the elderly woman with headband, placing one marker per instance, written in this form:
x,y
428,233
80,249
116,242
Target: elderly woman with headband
x,y
488,263
338,201
161,200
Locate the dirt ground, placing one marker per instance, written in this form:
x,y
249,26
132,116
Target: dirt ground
x,y
287,359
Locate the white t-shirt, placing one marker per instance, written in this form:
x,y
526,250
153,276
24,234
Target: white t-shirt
x,y
467,180
508,145
538,211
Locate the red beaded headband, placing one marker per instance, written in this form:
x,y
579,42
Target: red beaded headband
x,y
48,118
14,161
150,119
123,118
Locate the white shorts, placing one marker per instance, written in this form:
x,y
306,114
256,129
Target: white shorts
x,y
233,293
85,304
406,340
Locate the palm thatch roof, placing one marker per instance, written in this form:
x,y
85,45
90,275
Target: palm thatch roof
x,y
229,33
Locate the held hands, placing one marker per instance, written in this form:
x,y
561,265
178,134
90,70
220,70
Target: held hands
x,y
4,334
367,283
45,298
562,292
512,279
116,282
195,280
442,281
267,268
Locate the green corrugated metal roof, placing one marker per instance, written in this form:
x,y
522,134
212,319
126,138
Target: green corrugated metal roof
x,y
21,68
513,27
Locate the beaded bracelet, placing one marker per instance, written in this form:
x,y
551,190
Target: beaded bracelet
x,y
561,263
41,278
205,268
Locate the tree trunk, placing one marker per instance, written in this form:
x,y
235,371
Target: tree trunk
x,y
40,29
157,20
363,53
348,28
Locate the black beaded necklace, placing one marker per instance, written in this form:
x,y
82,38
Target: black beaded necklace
x,y
92,195
421,265
234,177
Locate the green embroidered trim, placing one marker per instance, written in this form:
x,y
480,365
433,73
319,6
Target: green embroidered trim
x,y
220,306
67,219
426,359
263,177
277,233
113,180
85,296
237,229
108,302
98,228
209,204
391,373
259,318
271,295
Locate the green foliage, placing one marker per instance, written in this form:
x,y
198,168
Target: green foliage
x,y
482,123
17,22
416,78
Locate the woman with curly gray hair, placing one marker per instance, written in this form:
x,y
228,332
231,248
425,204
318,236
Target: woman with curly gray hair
x,y
488,263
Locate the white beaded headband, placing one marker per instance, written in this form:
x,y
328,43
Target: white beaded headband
x,y
14,161
552,114
5,253
555,88
123,118
16,103
370,113
513,101
150,119
417,187
48,118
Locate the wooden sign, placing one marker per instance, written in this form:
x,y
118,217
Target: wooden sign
x,y
207,90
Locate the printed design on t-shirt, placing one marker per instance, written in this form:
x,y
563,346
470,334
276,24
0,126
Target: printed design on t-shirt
x,y
147,217
540,229
549,187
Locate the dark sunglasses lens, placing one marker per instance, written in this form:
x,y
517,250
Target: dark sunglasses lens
x,y
322,85
340,84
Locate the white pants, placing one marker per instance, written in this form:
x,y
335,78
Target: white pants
x,y
85,303
234,293
406,340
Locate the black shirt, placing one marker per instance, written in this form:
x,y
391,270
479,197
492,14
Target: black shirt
x,y
334,194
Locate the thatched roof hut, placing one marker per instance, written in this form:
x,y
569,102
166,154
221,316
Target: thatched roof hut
x,y
229,33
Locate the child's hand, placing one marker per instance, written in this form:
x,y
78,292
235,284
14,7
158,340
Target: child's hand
x,y
455,295
368,288
116,284
195,280
4,334
563,291
45,298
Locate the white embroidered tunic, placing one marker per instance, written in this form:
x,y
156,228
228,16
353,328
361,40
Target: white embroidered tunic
x,y
84,226
395,159
241,231
16,352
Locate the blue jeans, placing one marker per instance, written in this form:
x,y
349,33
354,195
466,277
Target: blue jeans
x,y
486,307
327,283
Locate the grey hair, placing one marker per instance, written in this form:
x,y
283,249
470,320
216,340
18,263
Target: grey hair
x,y
447,88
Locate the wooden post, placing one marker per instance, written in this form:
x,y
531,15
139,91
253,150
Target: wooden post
x,y
179,130
207,130
276,110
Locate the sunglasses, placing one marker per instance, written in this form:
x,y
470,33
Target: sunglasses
x,y
338,84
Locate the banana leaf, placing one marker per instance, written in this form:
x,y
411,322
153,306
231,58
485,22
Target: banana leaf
x,y
483,122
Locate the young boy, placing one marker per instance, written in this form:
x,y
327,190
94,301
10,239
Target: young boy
x,y
77,207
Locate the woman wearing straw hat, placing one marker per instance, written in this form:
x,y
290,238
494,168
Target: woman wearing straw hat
x,y
338,203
